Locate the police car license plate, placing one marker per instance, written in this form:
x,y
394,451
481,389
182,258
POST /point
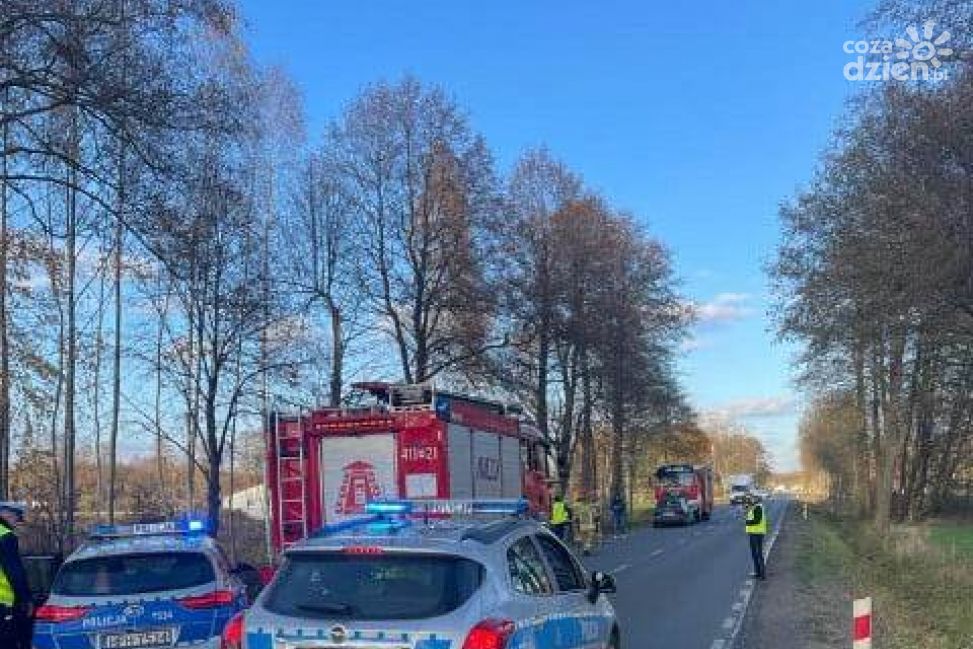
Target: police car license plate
x,y
137,639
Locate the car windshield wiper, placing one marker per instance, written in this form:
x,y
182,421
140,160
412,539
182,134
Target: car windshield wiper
x,y
338,608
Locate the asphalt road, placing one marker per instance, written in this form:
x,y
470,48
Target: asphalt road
x,y
683,587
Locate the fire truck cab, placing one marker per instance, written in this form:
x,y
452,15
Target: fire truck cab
x,y
683,493
325,465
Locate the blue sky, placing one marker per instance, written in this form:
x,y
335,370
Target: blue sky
x,y
699,118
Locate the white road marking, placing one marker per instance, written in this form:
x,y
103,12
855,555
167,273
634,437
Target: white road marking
x,y
620,568
655,553
746,592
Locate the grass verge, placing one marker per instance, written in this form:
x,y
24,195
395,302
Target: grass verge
x,y
920,578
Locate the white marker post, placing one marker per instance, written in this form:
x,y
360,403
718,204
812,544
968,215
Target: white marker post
x,y
862,627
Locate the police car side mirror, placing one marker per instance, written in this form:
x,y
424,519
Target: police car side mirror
x,y
601,582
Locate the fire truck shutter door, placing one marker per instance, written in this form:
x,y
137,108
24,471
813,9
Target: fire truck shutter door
x,y
460,462
356,470
512,480
486,465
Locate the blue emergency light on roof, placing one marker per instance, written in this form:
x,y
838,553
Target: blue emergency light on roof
x,y
185,526
468,507
385,507
346,525
448,506
389,516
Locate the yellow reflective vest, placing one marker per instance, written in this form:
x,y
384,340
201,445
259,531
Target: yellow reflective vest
x,y
6,590
559,513
757,528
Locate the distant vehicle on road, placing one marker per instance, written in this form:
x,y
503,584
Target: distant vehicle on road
x,y
396,577
683,494
141,587
739,487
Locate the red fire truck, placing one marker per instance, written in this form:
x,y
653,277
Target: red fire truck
x,y
323,466
683,493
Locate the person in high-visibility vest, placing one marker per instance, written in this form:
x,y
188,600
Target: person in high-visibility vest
x,y
16,605
756,531
560,518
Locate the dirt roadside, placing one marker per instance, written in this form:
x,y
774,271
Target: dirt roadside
x,y
799,606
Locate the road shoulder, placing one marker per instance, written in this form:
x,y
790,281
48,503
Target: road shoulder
x,y
795,607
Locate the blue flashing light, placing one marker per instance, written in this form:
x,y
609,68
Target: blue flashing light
x,y
386,507
344,526
470,507
387,526
513,506
184,527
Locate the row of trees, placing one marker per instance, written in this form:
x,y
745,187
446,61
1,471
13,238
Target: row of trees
x,y
876,280
177,260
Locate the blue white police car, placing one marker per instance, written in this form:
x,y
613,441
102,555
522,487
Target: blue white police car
x,y
401,578
141,587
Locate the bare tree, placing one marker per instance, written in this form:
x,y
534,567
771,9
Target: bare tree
x,y
424,197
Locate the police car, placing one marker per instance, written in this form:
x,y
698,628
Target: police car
x,y
407,576
141,587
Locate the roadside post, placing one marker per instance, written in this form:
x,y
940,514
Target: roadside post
x,y
862,626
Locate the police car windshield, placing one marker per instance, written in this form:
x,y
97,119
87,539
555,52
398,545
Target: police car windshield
x,y
126,574
372,587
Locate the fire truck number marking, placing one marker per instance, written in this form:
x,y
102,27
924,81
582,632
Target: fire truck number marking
x,y
420,454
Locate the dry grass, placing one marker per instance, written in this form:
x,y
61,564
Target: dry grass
x,y
919,577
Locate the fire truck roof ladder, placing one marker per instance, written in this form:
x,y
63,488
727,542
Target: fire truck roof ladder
x,y
289,448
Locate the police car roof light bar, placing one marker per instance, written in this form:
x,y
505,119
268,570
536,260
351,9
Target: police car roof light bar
x,y
344,526
386,507
182,527
471,506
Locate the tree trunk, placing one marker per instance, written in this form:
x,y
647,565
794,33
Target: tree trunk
x,y
892,413
4,333
214,453
56,409
191,406
860,462
618,438
117,347
96,396
160,464
543,360
72,337
337,354
589,461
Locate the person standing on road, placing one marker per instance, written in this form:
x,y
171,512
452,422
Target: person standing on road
x,y
16,605
756,531
618,514
560,518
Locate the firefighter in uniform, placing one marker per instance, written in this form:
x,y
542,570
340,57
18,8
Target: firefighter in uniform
x,y
16,606
560,518
756,531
